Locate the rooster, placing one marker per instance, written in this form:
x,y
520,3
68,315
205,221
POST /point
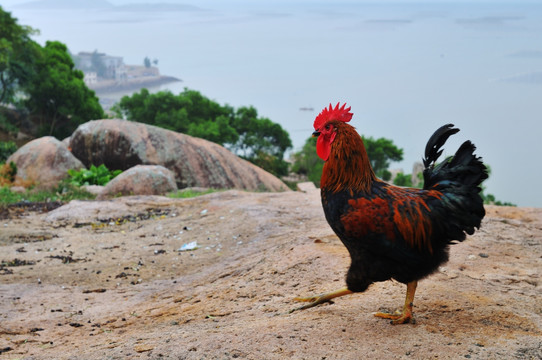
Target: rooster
x,y
394,232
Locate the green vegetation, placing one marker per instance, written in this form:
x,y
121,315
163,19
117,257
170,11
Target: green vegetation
x,y
403,180
306,162
382,152
491,200
6,149
256,139
58,96
42,82
17,56
190,193
100,175
64,193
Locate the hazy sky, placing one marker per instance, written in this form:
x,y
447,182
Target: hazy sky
x,y
405,68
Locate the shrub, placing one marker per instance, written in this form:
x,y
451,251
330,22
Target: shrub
x,y
6,149
100,175
403,180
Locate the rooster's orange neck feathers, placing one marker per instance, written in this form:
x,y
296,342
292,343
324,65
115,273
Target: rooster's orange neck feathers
x,y
348,166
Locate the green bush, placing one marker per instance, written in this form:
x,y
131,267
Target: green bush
x,y
6,149
403,180
100,175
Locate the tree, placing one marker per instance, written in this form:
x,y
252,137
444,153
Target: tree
x,y
258,140
306,162
6,149
57,94
161,109
189,112
381,153
403,180
208,119
261,141
258,134
51,89
17,55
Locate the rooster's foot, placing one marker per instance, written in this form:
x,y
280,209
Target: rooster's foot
x,y
320,299
405,316
398,317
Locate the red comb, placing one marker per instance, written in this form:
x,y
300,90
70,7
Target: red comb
x,y
331,113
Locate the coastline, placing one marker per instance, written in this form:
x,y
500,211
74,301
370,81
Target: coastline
x,y
111,91
113,86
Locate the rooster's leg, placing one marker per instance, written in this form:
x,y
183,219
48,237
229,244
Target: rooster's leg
x,y
320,299
406,315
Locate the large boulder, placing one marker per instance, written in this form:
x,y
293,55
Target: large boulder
x,y
44,162
121,144
141,180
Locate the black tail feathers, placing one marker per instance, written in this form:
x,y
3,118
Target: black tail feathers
x,y
458,178
463,169
432,149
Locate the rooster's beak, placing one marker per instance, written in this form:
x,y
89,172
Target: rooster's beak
x,y
316,133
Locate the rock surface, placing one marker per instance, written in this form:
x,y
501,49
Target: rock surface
x,y
121,144
307,187
140,180
93,189
104,280
44,162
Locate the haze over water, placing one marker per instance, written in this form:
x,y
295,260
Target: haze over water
x,y
405,68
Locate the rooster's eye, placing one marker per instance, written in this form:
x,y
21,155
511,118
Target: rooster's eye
x,y
328,127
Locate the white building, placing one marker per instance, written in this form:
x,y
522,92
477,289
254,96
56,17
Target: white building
x,y
90,78
114,65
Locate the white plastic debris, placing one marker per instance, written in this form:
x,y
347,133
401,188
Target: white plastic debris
x,y
189,246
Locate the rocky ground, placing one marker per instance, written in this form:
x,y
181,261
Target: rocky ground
x,y
106,280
